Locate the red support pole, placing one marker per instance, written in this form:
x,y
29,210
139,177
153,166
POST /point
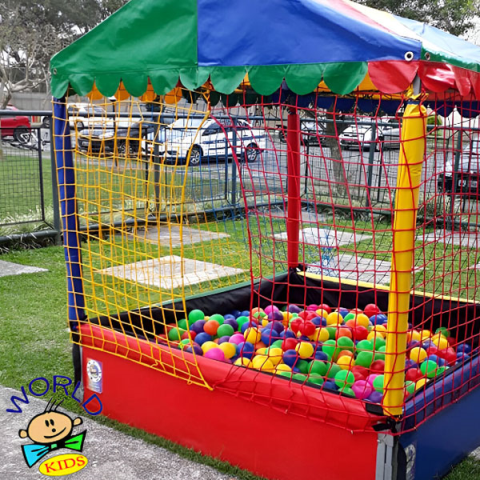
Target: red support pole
x,y
293,176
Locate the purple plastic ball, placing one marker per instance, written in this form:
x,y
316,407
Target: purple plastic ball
x,y
197,348
223,339
232,322
375,397
197,326
294,309
275,315
277,326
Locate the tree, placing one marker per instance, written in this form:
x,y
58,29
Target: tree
x,y
453,16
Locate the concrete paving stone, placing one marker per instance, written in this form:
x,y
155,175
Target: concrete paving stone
x,y
165,235
110,453
9,268
325,237
471,240
170,272
349,267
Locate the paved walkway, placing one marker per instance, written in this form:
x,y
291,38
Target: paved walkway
x,y
111,454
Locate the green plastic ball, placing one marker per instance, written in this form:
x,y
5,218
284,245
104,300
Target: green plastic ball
x,y
277,344
315,379
225,330
410,387
300,377
345,343
175,334
259,315
378,383
303,366
218,318
348,391
330,348
440,370
429,368
318,368
332,332
285,374
378,343
183,324
443,331
333,369
364,359
380,353
349,316
344,378
195,315
364,345
186,342
241,321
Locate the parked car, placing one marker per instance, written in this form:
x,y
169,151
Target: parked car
x,y
128,137
359,136
209,141
467,175
313,133
82,115
17,126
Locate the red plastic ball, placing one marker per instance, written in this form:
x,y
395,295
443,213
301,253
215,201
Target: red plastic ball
x,y
450,356
451,341
289,344
433,350
295,325
377,366
358,376
356,310
325,307
413,374
359,332
371,309
362,371
192,335
304,314
307,328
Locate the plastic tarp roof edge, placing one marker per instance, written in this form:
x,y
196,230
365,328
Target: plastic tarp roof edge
x,y
198,40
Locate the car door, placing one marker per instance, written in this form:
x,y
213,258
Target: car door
x,y
213,141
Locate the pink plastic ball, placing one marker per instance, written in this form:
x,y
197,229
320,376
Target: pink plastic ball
x,y
237,338
362,389
371,378
312,308
215,354
270,308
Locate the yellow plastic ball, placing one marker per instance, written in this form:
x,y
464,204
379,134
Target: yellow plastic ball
x,y
440,341
264,322
275,355
420,383
243,362
228,349
418,355
208,346
424,334
334,318
346,362
287,315
321,335
413,336
362,319
381,329
373,335
261,351
252,335
263,363
304,349
282,367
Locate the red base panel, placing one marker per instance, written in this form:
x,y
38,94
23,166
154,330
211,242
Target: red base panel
x,y
252,436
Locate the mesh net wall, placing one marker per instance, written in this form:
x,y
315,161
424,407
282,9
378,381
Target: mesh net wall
x,y
251,244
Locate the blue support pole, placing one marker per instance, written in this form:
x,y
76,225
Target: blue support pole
x,y
68,207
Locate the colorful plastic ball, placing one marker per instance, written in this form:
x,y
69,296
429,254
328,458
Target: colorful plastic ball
x,y
378,383
333,369
364,346
345,343
348,392
282,367
464,348
225,338
206,346
268,336
203,337
440,371
236,313
378,319
330,385
409,363
237,338
321,335
325,307
371,309
420,383
413,336
303,366
345,363
284,374
183,324
332,332
413,374
315,379
287,334
294,309
344,332
232,322
263,363
197,349
245,349
364,359
243,362
275,315
418,355
218,318
197,327
344,378
188,335
438,360
312,307
241,320
228,349
247,325
372,377
295,325
429,368
359,333
246,313
300,377
252,335
225,330
380,354
409,387
175,334
322,356
229,316
317,367
334,318
269,308
215,354
211,327
290,357
362,389
275,355
349,316
375,397
425,334
450,356
343,311
377,366
184,343
319,321
361,371
196,315
289,344
345,353
444,331
321,312
440,341
330,348
362,319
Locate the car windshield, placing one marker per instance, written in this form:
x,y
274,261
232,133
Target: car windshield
x,y
95,111
188,123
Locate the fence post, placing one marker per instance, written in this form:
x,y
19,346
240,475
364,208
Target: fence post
x,y
451,222
371,157
233,199
55,202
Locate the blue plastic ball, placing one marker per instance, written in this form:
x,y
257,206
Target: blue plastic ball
x,y
228,315
413,344
245,313
245,349
235,313
428,344
462,357
343,312
304,338
290,357
319,321
464,348
378,319
410,364
319,355
287,334
203,337
223,339
375,397
269,336
330,385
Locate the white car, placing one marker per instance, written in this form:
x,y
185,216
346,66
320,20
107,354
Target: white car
x,y
360,136
214,140
86,115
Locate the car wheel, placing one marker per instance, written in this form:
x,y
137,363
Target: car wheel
x,y
127,151
195,156
21,135
281,137
46,122
251,152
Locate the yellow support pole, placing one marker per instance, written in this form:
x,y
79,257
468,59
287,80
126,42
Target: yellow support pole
x,y
412,152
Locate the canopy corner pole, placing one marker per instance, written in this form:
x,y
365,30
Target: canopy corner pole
x,y
410,165
293,187
68,207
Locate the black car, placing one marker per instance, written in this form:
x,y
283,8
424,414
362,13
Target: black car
x,y
125,138
466,176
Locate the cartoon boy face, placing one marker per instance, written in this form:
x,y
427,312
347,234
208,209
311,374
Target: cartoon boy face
x,y
49,427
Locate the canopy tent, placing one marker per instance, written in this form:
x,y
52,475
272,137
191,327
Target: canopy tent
x,y
263,44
